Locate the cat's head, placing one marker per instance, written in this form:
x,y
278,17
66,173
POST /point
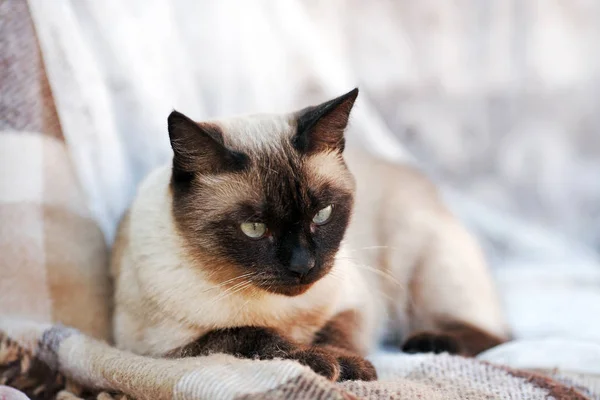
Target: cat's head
x,y
263,201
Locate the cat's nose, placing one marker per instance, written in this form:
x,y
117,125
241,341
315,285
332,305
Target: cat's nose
x,y
301,261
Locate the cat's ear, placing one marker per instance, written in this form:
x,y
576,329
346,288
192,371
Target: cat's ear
x,y
321,128
199,148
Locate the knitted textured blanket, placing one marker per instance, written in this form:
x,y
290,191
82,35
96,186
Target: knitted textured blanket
x,y
43,355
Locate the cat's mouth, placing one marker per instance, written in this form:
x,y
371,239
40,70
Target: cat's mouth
x,y
293,285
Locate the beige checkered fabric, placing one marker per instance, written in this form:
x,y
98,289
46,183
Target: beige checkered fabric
x,y
53,258
55,292
94,365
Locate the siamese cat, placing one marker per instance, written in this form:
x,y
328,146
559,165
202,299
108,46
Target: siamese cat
x,y
267,238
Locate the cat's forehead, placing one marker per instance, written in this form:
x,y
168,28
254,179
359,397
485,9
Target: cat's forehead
x,y
256,131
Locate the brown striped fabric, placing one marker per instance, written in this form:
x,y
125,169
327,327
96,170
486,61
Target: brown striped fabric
x,y
55,292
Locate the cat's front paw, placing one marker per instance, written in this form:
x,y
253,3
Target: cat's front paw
x,y
431,342
350,366
355,368
320,361
335,364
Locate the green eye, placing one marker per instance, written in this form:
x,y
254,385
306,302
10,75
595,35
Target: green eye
x,y
323,215
254,230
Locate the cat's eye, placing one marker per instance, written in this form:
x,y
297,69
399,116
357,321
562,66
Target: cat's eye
x,y
323,215
254,230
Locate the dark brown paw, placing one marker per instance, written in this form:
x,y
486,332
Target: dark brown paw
x,y
355,368
431,342
352,366
320,361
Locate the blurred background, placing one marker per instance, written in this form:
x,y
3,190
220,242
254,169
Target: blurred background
x,y
496,100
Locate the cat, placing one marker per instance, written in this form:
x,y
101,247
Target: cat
x,y
267,238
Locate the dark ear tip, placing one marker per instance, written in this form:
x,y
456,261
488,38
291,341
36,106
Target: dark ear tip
x,y
349,97
175,116
177,119
177,123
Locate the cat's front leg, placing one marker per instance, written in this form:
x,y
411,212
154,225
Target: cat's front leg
x,y
336,337
260,343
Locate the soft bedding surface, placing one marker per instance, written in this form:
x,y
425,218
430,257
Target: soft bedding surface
x,y
85,89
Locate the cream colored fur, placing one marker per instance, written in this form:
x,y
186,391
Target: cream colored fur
x,y
418,259
405,265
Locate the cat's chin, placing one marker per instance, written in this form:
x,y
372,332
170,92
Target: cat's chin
x,y
291,287
289,290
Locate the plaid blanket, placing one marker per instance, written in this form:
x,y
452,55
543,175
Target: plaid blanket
x,y
55,288
44,350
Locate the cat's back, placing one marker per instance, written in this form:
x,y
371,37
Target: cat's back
x,y
402,235
391,201
379,181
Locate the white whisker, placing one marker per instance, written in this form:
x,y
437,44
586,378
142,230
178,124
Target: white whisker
x,y
229,291
224,283
370,248
377,271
